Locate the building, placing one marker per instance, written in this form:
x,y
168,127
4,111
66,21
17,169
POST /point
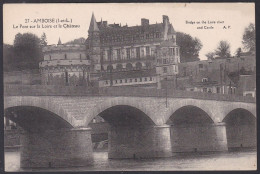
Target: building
x,y
114,55
247,85
247,62
65,65
215,81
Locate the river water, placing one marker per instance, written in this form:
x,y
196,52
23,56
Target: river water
x,y
214,161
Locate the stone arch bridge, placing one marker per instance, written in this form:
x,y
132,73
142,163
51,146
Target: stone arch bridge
x,y
144,122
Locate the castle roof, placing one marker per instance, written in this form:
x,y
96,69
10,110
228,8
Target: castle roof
x,y
59,42
93,24
171,29
115,29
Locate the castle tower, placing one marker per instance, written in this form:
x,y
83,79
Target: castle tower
x,y
93,44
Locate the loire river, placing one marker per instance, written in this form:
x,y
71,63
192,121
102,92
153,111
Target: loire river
x,y
212,161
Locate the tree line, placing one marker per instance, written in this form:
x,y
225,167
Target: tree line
x,y
223,48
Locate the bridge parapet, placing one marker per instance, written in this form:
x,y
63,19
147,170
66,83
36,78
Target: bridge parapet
x,y
50,90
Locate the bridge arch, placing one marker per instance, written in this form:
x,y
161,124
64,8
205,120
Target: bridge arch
x,y
174,106
228,109
193,129
35,119
240,128
132,132
190,114
48,106
117,102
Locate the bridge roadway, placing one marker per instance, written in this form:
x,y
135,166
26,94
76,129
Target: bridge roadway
x,y
144,123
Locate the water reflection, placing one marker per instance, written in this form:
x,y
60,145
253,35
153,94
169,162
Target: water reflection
x,y
190,161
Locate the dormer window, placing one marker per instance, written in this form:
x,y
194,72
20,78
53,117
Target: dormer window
x,y
204,79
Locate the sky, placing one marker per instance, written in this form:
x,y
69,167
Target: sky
x,y
236,17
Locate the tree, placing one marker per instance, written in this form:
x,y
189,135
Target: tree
x,y
8,57
249,38
210,55
223,49
27,51
43,40
189,47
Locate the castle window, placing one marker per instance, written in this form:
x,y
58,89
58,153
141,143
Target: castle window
x,y
116,81
148,65
121,81
106,82
138,52
135,80
66,77
125,80
204,79
218,89
177,51
65,56
172,51
164,69
164,61
151,78
147,49
145,79
118,52
147,36
138,65
157,35
140,79
128,53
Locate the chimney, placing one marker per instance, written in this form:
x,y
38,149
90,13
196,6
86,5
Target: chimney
x,y
144,22
165,19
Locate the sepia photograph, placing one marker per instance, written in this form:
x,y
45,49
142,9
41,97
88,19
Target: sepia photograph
x,y
129,87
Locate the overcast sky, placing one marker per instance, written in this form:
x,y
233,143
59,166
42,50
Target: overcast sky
x,y
236,15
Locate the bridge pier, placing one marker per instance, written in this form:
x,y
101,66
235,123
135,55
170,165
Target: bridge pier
x,y
199,138
56,148
141,142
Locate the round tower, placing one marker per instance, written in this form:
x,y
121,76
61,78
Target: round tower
x,y
64,65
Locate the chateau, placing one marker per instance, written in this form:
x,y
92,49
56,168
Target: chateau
x,y
115,55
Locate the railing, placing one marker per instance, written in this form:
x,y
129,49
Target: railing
x,y
49,90
64,62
